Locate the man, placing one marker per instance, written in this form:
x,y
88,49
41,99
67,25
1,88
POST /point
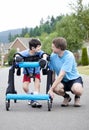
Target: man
x,y
63,63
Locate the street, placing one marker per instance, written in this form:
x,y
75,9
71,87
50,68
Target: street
x,y
22,116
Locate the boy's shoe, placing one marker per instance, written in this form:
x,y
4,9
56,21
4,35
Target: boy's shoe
x,y
36,104
30,102
66,101
77,102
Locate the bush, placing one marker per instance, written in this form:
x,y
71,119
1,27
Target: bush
x,y
84,58
10,56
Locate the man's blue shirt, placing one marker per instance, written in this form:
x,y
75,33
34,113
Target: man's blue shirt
x,y
67,63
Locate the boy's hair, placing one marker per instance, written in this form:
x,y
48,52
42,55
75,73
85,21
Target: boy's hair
x,y
34,43
60,42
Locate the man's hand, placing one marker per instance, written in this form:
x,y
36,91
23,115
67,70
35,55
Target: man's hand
x,y
51,93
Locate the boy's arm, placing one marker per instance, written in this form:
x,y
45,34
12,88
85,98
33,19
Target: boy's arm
x,y
44,60
45,56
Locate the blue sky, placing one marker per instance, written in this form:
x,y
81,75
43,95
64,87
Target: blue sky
x,y
28,13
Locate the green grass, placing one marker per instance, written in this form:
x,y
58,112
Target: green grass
x,y
83,70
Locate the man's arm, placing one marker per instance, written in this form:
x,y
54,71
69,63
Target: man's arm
x,y
53,76
56,82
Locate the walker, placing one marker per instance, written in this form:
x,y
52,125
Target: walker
x,y
11,93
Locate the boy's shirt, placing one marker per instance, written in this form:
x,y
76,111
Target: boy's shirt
x,y
27,54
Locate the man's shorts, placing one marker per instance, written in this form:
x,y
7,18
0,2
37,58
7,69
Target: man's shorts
x,y
69,84
28,78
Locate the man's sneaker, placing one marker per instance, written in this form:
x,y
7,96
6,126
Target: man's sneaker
x,y
36,104
77,102
66,101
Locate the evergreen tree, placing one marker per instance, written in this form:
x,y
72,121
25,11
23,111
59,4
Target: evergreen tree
x,y
84,59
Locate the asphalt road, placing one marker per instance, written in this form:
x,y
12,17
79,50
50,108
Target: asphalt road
x,y
22,117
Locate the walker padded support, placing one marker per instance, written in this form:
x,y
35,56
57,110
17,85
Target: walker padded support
x,y
27,97
28,64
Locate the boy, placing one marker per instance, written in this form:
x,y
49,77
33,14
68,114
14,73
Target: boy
x,y
34,50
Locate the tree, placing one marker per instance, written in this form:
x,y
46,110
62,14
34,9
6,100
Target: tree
x,y
82,16
10,56
85,23
47,41
26,35
11,37
77,7
24,31
68,28
84,58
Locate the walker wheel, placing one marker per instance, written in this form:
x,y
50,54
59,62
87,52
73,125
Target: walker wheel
x,y
49,105
15,101
7,105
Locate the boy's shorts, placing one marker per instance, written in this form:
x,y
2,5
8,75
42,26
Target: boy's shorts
x,y
69,84
28,78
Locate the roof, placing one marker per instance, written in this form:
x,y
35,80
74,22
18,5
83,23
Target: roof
x,y
23,40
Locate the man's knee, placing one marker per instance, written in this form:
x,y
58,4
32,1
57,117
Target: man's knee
x,y
77,89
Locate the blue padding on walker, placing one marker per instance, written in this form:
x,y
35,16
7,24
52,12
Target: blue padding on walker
x,y
28,96
28,64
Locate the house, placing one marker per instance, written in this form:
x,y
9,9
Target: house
x,y
20,44
3,52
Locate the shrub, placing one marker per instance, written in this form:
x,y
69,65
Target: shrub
x,y
84,58
10,56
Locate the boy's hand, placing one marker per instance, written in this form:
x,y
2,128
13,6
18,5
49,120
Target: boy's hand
x,y
18,59
43,63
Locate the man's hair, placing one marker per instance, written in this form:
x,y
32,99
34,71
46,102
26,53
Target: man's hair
x,y
60,42
34,43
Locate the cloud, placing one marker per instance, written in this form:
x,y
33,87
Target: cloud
x,y
28,13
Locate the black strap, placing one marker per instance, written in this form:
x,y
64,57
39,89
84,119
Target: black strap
x,y
29,58
48,56
27,71
33,74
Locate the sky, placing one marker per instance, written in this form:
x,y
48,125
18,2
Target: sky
x,y
28,13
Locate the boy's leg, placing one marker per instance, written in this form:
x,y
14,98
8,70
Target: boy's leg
x,y
26,82
36,86
36,91
26,86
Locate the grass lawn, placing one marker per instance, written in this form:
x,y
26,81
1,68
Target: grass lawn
x,y
83,70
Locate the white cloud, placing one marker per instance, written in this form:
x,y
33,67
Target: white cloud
x,y
28,13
